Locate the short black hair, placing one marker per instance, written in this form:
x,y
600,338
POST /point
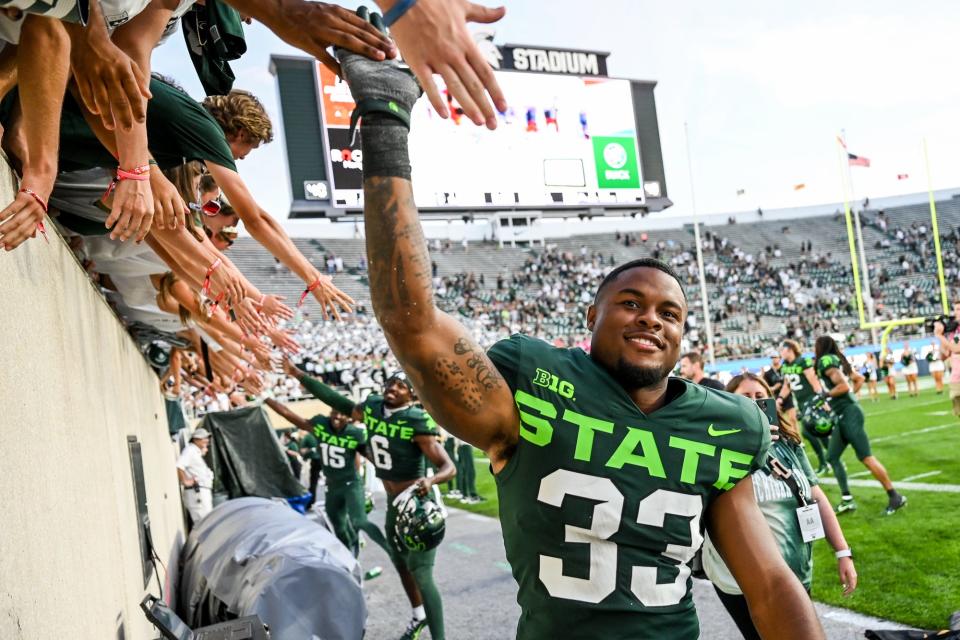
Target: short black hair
x,y
651,263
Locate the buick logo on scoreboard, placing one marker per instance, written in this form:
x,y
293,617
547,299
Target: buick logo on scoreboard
x,y
562,61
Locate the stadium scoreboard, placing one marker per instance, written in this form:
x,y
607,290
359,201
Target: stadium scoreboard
x,y
572,138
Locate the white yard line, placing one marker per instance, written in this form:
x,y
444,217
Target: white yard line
x,y
904,408
858,474
901,486
915,432
920,475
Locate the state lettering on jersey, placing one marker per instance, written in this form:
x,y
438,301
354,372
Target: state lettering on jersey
x,y
539,420
377,426
335,440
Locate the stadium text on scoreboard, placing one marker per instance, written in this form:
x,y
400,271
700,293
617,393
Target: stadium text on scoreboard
x,y
567,139
566,61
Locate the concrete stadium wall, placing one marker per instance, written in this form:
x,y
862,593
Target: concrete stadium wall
x,y
73,386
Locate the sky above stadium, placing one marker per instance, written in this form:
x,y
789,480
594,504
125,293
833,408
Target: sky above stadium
x,y
765,88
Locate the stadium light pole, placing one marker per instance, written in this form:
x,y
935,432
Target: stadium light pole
x,y
696,237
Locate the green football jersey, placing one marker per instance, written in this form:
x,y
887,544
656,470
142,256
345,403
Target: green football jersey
x,y
792,372
338,449
395,455
824,364
601,505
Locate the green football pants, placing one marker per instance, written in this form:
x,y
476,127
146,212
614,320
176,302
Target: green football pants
x,y
850,430
420,564
347,512
466,471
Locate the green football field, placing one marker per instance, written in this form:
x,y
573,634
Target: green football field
x,y
909,563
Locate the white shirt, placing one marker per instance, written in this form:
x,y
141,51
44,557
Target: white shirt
x,y
191,461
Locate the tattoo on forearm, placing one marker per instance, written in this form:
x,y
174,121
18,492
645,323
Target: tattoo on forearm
x,y
400,271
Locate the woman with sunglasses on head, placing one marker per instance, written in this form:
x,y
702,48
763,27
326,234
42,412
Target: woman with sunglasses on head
x,y
784,485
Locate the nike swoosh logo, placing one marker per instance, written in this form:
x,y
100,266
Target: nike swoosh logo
x,y
721,432
399,422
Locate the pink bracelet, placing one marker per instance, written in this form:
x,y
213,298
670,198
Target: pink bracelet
x,y
139,174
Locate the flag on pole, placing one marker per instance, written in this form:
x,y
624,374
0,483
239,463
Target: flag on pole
x,y
798,187
903,176
857,161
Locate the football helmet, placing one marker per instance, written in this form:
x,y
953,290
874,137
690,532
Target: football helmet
x,y
421,521
819,418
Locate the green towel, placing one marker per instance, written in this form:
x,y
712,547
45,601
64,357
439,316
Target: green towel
x,y
214,36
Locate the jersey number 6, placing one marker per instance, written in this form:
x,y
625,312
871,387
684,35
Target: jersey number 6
x,y
607,514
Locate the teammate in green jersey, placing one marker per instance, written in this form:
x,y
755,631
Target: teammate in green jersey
x,y
800,379
401,437
833,367
339,447
607,469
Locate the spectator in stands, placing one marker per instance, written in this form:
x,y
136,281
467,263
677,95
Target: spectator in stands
x,y
195,476
784,484
691,368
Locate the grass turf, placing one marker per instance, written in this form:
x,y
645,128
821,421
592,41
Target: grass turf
x,y
908,563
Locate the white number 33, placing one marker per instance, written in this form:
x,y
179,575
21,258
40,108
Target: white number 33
x,y
607,513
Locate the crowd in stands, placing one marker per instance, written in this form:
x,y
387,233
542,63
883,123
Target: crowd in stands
x,y
141,179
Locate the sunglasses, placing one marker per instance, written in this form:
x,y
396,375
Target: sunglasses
x,y
211,207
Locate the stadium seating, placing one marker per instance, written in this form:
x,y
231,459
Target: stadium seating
x,y
743,326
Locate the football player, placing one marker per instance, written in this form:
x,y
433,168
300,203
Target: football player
x,y
800,380
340,444
836,372
402,437
607,468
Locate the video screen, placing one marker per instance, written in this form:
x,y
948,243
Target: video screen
x,y
563,141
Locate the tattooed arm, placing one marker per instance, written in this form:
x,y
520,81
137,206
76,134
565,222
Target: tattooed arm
x,y
458,384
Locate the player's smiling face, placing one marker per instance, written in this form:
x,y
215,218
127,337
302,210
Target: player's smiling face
x,y
637,323
338,420
397,394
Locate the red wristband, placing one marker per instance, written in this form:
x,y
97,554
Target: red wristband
x,y
310,288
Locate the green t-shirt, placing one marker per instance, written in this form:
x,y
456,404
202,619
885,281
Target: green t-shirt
x,y
178,129
792,373
395,454
293,446
308,447
601,505
338,449
825,364
779,508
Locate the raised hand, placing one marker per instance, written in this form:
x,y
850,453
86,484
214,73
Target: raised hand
x,y
314,26
330,297
433,38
